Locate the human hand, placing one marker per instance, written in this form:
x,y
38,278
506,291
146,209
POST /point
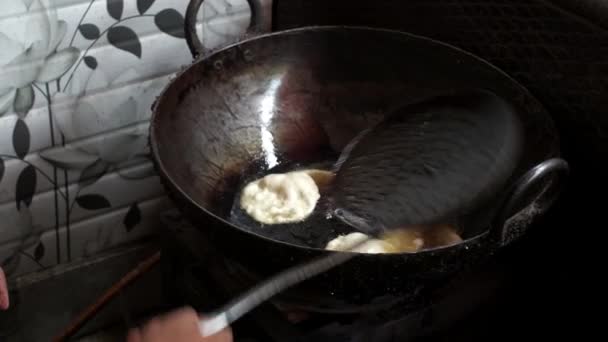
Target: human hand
x,y
4,299
181,325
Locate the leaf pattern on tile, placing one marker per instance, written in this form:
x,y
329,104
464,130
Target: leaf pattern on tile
x,y
26,186
92,173
67,158
89,31
2,168
93,202
144,5
24,100
170,22
30,51
124,38
39,251
115,8
143,170
132,218
58,64
91,62
21,138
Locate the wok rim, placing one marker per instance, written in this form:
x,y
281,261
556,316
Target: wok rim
x,y
167,180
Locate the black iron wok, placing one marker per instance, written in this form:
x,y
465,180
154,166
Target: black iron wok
x,y
298,97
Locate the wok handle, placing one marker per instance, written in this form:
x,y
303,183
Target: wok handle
x,y
542,201
261,13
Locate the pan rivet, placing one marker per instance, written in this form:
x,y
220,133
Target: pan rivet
x,y
218,65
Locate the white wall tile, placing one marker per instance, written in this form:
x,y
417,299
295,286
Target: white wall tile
x,y
99,109
113,189
87,238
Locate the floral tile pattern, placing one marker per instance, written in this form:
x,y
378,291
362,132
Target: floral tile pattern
x,y
78,78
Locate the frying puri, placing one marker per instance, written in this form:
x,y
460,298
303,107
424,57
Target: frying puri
x,y
400,240
280,198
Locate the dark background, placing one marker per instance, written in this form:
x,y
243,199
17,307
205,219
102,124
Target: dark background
x,y
559,51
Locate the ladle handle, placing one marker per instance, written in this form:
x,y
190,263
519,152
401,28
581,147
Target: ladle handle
x,y
541,201
222,318
261,19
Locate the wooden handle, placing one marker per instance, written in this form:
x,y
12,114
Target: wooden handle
x,y
90,311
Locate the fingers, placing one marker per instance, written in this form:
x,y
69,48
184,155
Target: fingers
x,y
134,336
186,316
4,299
222,336
153,330
181,325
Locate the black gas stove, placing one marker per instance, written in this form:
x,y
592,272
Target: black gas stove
x,y
474,305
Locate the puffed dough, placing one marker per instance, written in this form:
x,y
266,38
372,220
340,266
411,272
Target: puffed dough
x,y
281,198
348,241
409,240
